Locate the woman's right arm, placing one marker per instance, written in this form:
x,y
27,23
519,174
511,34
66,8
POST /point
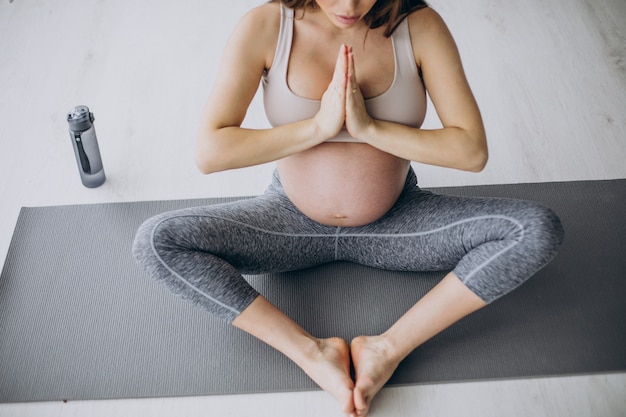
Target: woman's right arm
x,y
221,142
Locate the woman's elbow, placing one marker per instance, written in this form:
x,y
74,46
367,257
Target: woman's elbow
x,y
479,154
204,166
207,158
479,160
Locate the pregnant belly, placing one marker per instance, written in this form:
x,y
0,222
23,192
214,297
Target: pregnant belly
x,y
343,184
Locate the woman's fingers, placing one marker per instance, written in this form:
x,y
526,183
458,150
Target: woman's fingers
x,y
351,74
332,114
343,103
357,118
341,67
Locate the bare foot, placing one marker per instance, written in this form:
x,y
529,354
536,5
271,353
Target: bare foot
x,y
328,365
373,365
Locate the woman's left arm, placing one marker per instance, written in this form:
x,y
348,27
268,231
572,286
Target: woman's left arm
x,y
461,143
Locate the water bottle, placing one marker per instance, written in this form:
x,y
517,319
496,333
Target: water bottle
x,y
85,143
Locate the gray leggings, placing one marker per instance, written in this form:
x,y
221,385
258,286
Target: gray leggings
x,y
492,245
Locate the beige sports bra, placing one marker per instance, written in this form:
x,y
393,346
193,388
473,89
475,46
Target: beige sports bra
x,y
404,102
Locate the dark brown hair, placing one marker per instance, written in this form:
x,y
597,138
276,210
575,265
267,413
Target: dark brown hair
x,y
388,13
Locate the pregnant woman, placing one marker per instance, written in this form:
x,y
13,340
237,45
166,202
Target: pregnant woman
x,y
345,92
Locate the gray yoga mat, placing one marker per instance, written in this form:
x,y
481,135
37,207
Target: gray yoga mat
x,y
79,320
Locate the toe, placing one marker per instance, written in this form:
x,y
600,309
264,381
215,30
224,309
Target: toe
x,y
361,402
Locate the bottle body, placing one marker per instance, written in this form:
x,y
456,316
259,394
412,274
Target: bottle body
x,y
85,144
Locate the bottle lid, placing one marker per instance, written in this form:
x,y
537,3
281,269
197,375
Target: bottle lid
x,y
80,117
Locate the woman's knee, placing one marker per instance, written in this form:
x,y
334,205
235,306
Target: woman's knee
x,y
544,230
154,238
531,245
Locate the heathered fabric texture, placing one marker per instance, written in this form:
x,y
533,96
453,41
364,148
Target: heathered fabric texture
x,y
493,245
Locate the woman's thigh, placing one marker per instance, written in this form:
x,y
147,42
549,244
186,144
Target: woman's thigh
x,y
492,244
258,235
200,253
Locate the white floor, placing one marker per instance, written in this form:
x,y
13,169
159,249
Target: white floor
x,y
550,78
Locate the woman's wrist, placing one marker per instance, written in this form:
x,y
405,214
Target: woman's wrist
x,y
368,132
316,131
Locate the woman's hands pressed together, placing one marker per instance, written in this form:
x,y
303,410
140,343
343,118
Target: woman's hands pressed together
x,y
342,103
357,117
332,114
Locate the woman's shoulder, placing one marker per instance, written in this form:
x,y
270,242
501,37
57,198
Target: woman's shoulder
x,y
257,31
430,35
261,23
264,17
425,20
